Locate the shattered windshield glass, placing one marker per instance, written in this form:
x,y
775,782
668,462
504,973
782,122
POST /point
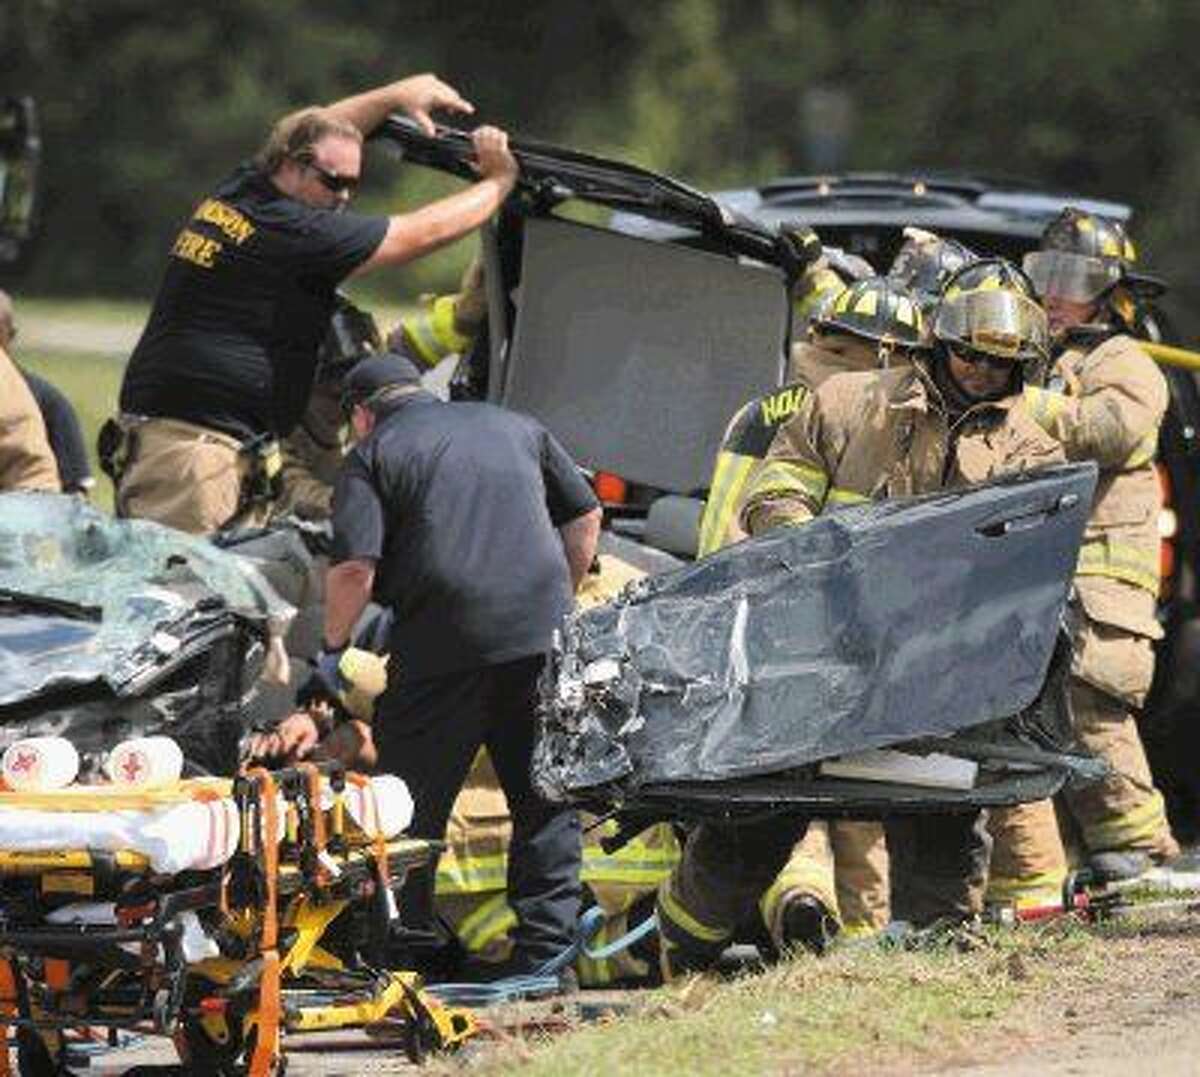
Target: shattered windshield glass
x,y
85,597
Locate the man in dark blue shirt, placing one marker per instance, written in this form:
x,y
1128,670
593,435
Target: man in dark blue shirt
x,y
226,360
473,526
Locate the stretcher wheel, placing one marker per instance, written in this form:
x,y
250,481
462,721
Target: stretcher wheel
x,y
421,1036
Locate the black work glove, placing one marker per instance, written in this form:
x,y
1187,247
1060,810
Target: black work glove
x,y
798,245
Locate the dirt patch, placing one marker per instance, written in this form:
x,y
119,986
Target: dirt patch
x,y
1137,1008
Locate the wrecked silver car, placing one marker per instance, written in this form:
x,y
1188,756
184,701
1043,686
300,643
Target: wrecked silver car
x,y
112,629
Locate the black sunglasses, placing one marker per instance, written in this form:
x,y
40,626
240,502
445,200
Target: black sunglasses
x,y
331,181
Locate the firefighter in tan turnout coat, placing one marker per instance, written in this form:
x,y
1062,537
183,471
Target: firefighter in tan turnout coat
x,y
954,419
26,461
837,876
1104,401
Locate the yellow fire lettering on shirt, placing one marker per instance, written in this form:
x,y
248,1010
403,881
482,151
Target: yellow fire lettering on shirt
x,y
195,248
233,225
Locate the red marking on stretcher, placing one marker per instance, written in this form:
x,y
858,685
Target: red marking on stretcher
x,y
25,761
133,764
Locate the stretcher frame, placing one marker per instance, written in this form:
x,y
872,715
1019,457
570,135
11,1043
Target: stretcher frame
x,y
271,904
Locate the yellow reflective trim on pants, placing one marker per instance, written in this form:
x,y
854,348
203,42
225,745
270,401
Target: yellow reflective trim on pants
x,y
1143,453
800,876
670,909
859,930
647,870
769,902
1044,405
470,876
491,921
729,479
1119,561
840,496
635,864
1044,888
1137,827
779,477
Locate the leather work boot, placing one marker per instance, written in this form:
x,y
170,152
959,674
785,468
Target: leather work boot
x,y
806,921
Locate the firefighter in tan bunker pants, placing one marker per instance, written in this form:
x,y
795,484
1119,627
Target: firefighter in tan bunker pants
x,y
1104,401
836,877
957,417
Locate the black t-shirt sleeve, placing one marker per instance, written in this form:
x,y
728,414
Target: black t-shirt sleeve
x,y
358,519
329,246
568,494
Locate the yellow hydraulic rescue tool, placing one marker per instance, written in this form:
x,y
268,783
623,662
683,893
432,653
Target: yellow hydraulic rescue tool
x,y
1169,355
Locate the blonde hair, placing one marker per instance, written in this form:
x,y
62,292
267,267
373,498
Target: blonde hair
x,y
295,135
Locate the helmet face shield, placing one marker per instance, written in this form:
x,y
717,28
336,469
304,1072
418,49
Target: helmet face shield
x,y
994,321
1078,278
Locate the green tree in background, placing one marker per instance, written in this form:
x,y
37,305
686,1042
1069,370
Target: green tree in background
x,y
145,104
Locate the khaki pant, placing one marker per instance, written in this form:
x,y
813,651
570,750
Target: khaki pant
x,y
1124,811
186,477
1029,864
844,865
860,860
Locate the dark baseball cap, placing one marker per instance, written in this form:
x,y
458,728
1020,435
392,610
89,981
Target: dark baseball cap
x,y
371,377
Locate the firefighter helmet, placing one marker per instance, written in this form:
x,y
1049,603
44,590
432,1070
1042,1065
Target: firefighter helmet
x,y
925,262
876,309
1083,257
989,307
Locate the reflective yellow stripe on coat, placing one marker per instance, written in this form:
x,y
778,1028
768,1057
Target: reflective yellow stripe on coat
x,y
781,478
1120,561
724,499
432,332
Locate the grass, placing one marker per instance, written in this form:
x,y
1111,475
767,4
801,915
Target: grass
x,y
91,382
98,311
863,1009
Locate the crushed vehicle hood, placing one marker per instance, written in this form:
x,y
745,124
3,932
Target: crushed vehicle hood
x,y
894,622
86,600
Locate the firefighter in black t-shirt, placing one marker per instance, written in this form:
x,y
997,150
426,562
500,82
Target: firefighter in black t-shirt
x,y
473,526
225,363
